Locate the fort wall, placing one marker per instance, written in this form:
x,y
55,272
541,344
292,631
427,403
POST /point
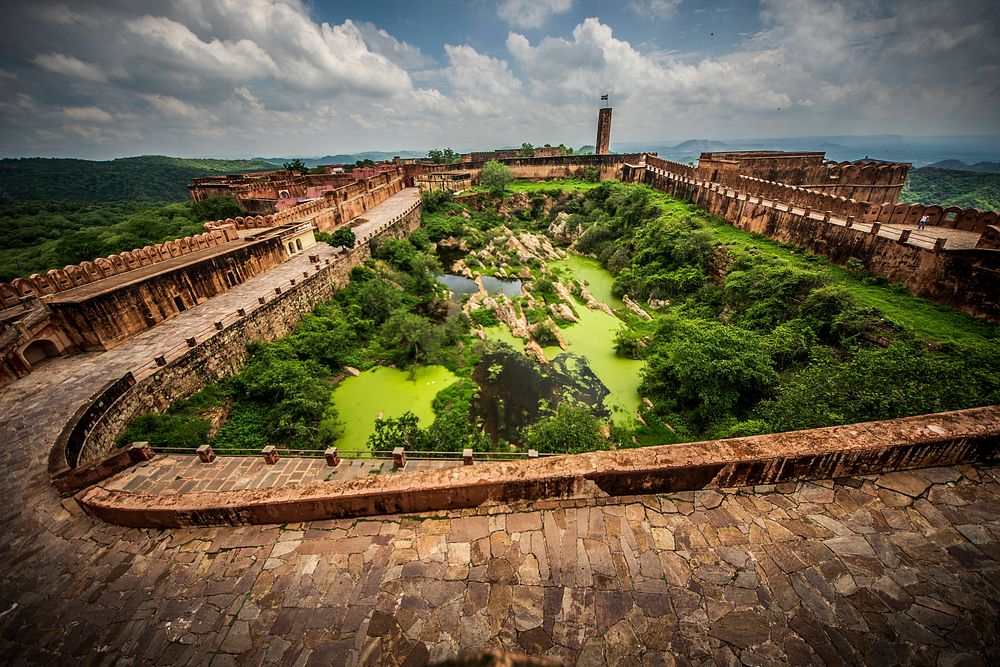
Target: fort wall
x,y
220,355
536,168
862,180
941,439
966,279
101,320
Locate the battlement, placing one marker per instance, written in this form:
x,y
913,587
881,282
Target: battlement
x,y
870,181
954,260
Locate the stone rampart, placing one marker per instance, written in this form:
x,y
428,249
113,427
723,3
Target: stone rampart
x,y
109,313
965,279
221,355
72,276
862,180
536,168
876,447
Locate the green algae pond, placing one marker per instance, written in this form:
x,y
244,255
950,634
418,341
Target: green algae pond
x,y
511,386
386,392
591,342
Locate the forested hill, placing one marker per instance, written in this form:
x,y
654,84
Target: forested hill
x,y
146,178
948,187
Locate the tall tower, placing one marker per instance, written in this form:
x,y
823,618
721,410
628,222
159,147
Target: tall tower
x,y
603,131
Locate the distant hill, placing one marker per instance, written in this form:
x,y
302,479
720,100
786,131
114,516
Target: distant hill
x,y
701,146
949,187
958,165
344,158
146,178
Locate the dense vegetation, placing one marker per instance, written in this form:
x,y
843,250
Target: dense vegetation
x,y
947,187
760,337
150,178
749,336
390,313
38,236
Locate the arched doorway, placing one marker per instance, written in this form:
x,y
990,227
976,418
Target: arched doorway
x,y
39,350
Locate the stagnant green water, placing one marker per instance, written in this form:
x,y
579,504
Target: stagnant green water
x,y
387,392
390,392
593,338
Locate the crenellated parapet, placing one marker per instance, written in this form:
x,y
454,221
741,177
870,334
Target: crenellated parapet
x,y
69,277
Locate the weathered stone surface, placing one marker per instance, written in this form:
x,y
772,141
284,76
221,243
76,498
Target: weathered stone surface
x,y
908,483
741,628
833,572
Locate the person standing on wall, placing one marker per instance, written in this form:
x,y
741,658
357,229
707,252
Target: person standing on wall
x,y
923,221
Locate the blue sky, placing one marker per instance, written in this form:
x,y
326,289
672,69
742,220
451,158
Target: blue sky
x,y
108,78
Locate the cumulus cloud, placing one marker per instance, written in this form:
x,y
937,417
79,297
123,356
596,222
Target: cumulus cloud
x,y
268,77
531,13
70,66
398,52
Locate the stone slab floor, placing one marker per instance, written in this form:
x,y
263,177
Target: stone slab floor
x,y
175,473
898,569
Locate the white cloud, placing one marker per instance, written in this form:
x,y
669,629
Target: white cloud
x,y
531,13
400,53
267,77
70,66
654,9
87,114
171,106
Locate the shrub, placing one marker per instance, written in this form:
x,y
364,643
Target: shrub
x,y
567,430
496,177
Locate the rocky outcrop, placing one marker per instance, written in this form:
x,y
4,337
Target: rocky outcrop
x,y
564,230
635,308
593,303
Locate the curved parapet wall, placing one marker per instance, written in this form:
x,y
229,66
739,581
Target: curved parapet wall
x,y
930,440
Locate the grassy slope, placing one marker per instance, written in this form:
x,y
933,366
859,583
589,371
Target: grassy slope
x,y
564,184
927,320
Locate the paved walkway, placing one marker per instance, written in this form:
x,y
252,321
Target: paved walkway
x,y
901,569
172,473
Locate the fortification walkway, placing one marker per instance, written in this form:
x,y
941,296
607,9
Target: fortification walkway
x,y
897,569
172,474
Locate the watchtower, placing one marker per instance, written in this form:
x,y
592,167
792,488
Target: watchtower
x,y
603,131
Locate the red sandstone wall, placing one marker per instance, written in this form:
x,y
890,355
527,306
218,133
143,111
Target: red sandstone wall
x,y
948,438
106,319
72,276
965,279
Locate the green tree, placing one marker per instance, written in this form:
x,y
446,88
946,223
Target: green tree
x,y
569,429
297,166
496,177
80,246
403,431
708,368
343,237
526,150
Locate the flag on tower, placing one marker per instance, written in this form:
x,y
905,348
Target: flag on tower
x,y
604,96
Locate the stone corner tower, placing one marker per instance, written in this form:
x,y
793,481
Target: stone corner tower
x,y
603,131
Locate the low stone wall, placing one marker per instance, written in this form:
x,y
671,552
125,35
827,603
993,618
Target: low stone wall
x,y
943,439
222,355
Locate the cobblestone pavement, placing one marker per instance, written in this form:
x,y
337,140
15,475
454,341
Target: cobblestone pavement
x,y
900,569
186,474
